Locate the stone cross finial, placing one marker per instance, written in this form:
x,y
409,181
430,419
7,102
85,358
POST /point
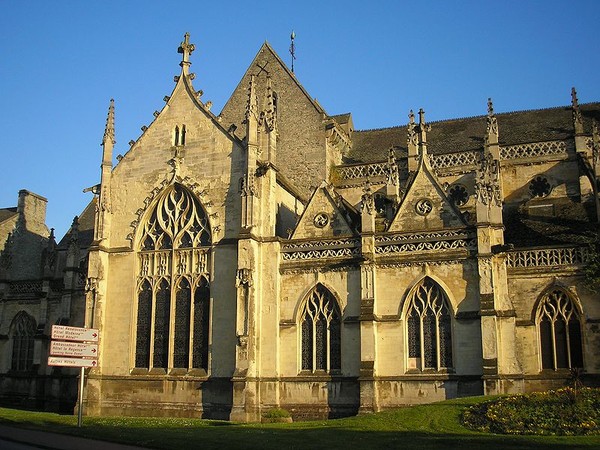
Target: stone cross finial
x,y
186,49
421,117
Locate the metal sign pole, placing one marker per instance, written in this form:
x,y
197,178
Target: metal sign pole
x,y
80,409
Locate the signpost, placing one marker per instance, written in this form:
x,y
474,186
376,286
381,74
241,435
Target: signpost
x,y
74,347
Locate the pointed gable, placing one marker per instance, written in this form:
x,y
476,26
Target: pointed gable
x,y
301,122
324,217
425,206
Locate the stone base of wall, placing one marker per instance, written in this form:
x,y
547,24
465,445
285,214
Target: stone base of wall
x,y
53,393
208,398
404,391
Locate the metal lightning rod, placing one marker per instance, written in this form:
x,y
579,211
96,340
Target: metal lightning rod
x,y
293,49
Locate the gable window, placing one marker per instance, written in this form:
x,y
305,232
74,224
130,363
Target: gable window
x,y
173,296
429,328
560,331
179,135
321,332
23,334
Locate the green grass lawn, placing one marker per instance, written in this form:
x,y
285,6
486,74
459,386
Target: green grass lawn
x,y
417,427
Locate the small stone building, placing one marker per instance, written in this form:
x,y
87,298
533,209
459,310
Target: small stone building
x,y
273,256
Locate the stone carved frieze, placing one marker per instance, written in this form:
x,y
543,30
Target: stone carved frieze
x,y
533,150
548,257
311,250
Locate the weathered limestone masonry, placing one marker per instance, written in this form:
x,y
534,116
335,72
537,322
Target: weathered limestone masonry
x,y
273,256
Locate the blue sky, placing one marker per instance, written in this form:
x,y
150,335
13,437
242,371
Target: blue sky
x,y
62,61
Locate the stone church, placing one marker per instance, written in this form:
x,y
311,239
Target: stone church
x,y
274,256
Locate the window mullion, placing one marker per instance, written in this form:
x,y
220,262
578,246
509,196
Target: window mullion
x,y
314,344
553,335
437,340
421,344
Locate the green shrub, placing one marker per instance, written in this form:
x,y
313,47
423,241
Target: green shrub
x,y
562,412
276,413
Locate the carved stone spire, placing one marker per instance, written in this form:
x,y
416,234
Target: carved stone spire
x,y
252,104
595,147
411,142
423,129
492,124
186,49
109,129
270,110
577,119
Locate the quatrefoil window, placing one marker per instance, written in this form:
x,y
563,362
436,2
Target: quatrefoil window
x,y
321,220
424,207
458,194
540,187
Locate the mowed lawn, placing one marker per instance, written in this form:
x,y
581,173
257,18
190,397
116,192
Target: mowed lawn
x,y
435,426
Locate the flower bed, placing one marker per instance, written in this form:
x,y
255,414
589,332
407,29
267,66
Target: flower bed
x,y
562,412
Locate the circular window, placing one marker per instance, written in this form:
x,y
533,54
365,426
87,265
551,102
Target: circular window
x,y
458,194
424,207
540,187
321,220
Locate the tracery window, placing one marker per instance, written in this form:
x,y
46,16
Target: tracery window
x,y
173,297
458,194
540,187
23,334
429,327
560,331
321,332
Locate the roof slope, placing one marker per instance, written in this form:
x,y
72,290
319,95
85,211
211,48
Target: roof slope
x,y
468,133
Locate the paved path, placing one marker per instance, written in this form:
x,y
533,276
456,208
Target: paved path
x,y
34,439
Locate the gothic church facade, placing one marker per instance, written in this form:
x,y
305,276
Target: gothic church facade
x,y
273,256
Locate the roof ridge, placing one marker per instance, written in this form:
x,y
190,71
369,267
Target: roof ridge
x,y
483,116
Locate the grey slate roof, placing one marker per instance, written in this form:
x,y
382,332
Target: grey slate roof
x,y
7,213
86,227
465,134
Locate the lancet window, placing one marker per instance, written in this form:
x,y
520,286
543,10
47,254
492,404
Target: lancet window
x,y
429,328
23,334
173,297
560,331
321,332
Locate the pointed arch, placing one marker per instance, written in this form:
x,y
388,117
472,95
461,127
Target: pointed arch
x,y
174,251
558,320
320,324
428,314
22,333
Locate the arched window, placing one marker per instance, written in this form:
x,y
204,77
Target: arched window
x,y
560,331
429,327
23,333
321,332
173,295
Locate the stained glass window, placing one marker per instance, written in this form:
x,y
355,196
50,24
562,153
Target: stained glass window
x,y
173,300
144,321
321,332
429,333
201,311
560,331
23,334
181,346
